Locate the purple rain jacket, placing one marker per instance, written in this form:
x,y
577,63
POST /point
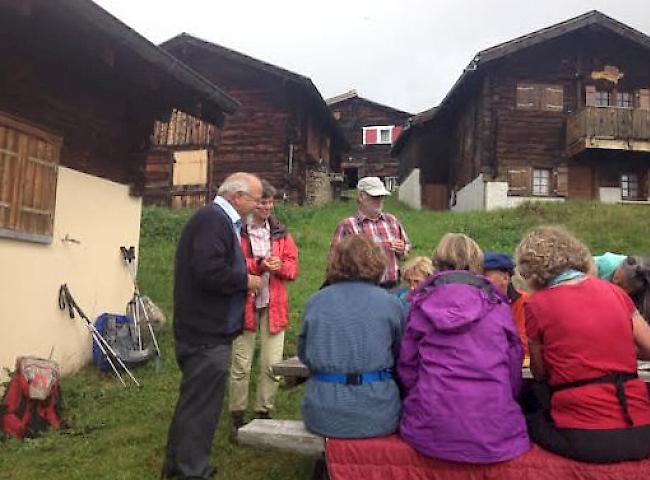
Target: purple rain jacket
x,y
460,369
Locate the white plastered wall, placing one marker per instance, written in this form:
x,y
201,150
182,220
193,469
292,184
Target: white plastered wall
x,y
482,195
471,197
101,216
410,191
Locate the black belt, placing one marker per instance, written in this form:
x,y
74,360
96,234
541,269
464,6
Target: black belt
x,y
388,285
618,379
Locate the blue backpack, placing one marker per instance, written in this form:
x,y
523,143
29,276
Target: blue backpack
x,y
119,333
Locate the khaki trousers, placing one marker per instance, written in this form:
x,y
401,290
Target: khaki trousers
x,y
243,350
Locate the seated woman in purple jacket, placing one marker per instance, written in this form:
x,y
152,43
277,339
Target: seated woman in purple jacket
x,y
460,363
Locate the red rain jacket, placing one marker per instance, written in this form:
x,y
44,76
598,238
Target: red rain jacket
x,y
282,246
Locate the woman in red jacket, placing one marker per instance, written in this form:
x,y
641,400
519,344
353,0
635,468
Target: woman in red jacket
x,y
271,253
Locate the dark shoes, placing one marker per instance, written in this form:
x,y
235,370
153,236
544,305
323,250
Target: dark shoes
x,y
238,419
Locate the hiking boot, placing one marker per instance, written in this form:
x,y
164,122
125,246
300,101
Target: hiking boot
x,y
263,415
238,421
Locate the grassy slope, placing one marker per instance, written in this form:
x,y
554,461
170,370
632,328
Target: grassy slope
x,y
120,434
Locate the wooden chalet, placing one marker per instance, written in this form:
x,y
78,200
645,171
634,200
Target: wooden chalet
x,y
561,113
371,129
79,95
283,131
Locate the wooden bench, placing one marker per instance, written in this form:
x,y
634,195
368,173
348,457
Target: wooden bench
x,y
294,368
285,435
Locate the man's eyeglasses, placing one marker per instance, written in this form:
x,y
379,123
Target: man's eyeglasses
x,y
255,199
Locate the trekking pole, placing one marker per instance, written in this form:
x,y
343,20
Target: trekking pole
x,y
128,254
146,318
65,298
137,302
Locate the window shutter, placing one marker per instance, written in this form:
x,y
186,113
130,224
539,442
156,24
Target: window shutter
x,y
36,211
29,159
561,181
519,181
397,131
553,98
527,96
371,136
9,168
590,95
644,99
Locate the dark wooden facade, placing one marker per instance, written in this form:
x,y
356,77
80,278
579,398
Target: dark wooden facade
x,y
353,113
563,112
181,134
283,128
73,73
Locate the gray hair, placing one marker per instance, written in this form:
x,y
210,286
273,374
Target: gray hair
x,y
237,182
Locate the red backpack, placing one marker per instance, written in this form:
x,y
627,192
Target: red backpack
x,y
32,400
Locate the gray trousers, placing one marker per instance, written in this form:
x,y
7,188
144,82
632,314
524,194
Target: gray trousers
x,y
205,371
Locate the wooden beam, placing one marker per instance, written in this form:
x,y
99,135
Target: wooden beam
x,y
285,435
291,367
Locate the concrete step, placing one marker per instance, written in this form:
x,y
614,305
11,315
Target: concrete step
x,y
284,435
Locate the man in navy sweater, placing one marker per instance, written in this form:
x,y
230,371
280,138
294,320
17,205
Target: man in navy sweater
x,y
210,287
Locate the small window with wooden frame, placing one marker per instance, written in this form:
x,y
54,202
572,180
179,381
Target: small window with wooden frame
x,y
540,97
29,159
603,98
624,100
541,182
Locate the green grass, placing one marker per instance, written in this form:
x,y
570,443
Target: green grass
x,y
120,433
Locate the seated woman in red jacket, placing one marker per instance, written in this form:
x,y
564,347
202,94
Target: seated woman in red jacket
x,y
584,334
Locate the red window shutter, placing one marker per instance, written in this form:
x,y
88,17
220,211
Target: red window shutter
x,y
397,131
371,136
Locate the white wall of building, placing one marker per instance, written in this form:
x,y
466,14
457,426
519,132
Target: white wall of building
x,y
410,191
513,202
471,197
610,194
99,216
496,195
481,195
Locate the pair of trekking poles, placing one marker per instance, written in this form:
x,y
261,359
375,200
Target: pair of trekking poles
x,y
66,300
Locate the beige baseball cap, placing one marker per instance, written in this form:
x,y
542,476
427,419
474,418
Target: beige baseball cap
x,y
373,186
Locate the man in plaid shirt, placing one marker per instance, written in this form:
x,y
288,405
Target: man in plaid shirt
x,y
383,228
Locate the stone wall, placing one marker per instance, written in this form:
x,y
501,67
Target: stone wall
x,y
318,188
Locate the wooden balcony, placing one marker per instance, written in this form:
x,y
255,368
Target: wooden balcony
x,y
608,128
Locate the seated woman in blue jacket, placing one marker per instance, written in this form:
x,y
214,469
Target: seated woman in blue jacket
x,y
350,337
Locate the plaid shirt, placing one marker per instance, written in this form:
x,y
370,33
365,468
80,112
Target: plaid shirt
x,y
382,231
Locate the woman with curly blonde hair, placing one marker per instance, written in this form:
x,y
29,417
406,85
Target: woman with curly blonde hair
x,y
583,335
351,333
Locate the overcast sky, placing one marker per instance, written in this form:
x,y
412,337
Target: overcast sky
x,y
404,53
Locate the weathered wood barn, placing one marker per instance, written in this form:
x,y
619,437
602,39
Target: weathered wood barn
x,y
371,129
79,95
561,113
283,131
180,162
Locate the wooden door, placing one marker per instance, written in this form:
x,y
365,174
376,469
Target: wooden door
x,y
581,182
